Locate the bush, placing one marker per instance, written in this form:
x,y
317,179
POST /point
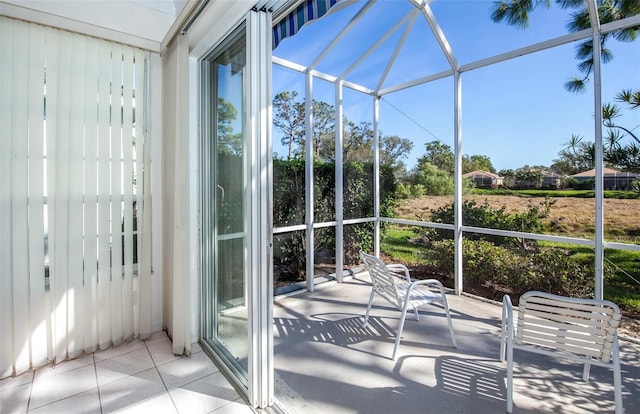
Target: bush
x,y
403,191
483,215
417,190
289,208
515,271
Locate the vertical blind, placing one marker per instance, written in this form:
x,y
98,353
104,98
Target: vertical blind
x,y
74,200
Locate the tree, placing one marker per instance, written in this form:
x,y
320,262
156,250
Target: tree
x,y
579,156
288,117
394,149
434,180
323,136
612,111
618,155
357,141
575,159
228,142
476,163
439,155
529,177
516,13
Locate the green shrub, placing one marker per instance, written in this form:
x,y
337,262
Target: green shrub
x,y
483,215
417,190
515,271
403,191
289,208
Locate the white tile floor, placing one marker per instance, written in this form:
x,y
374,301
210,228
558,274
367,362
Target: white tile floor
x,y
135,377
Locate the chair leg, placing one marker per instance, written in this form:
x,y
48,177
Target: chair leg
x,y
448,314
366,315
617,378
586,369
400,328
509,377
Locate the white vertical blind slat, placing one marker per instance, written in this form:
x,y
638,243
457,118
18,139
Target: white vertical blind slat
x,y
104,198
116,196
19,203
6,243
90,197
75,294
37,302
143,179
127,187
59,279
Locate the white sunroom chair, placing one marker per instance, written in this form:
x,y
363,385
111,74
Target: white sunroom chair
x,y
582,330
393,283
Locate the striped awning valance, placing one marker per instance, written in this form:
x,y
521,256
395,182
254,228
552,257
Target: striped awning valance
x,y
305,12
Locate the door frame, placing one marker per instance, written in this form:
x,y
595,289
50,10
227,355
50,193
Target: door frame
x,y
259,388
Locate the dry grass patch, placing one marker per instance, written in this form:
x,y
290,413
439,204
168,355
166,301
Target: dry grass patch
x,y
568,216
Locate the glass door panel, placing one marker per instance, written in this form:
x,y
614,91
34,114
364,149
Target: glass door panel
x,y
224,205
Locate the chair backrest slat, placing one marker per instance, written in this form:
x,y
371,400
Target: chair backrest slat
x,y
383,281
583,327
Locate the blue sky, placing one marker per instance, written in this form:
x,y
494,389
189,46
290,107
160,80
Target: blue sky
x,y
515,112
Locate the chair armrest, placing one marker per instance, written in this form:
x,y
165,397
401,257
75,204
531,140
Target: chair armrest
x,y
397,268
506,328
428,282
432,282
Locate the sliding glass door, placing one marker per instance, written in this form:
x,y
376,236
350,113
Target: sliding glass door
x,y
224,205
235,206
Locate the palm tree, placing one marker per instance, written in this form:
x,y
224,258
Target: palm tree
x,y
609,113
516,13
573,143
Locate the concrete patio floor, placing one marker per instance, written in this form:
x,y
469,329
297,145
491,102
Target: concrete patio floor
x,y
327,363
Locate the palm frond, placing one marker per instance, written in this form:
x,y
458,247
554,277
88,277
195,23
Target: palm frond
x,y
630,97
513,12
586,66
610,111
575,85
579,21
606,55
626,35
584,50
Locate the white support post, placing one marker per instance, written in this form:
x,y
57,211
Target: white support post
x,y
261,374
599,219
339,185
308,178
599,151
457,234
376,174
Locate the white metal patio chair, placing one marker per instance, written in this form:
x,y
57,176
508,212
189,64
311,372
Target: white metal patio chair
x,y
393,283
582,330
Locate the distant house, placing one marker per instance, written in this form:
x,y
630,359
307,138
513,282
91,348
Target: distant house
x,y
612,179
484,179
552,180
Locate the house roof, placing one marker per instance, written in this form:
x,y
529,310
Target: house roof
x,y
480,173
592,172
